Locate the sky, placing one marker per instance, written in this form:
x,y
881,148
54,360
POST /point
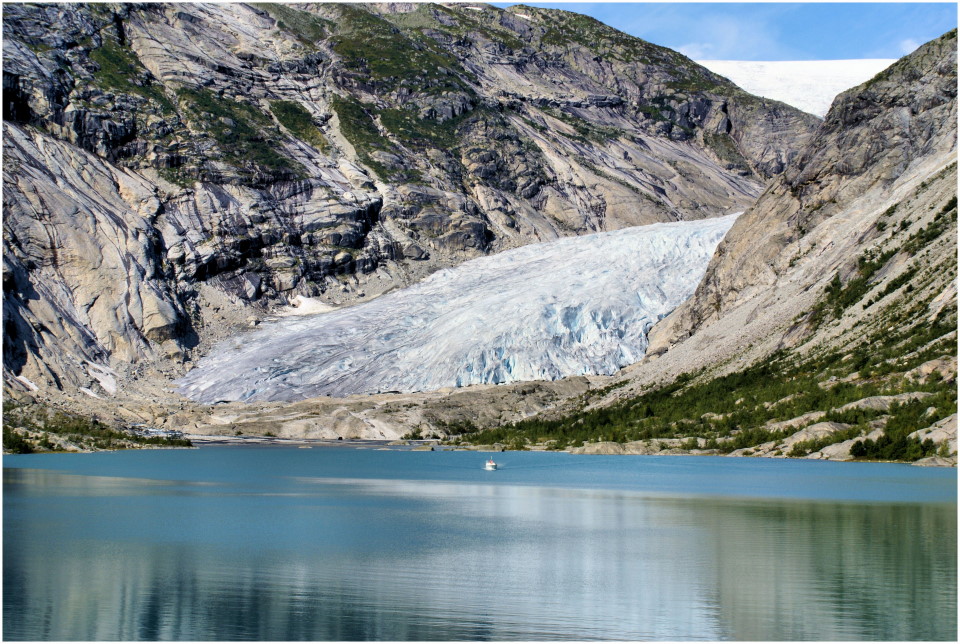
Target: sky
x,y
775,31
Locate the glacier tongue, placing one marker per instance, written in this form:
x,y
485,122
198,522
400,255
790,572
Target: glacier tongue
x,y
578,305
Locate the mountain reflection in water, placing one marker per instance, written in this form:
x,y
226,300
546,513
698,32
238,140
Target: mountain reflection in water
x,y
303,557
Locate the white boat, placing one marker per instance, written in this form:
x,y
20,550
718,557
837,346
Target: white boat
x,y
490,465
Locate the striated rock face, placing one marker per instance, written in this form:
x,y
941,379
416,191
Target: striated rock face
x,y
172,169
881,167
83,274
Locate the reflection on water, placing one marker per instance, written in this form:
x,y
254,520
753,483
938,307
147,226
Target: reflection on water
x,y
308,558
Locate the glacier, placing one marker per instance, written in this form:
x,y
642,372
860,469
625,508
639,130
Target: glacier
x,y
808,85
573,306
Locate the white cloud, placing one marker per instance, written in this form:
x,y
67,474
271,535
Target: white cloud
x,y
697,50
908,46
724,37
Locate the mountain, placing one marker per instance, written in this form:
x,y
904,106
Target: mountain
x,y
810,85
173,171
877,172
825,325
137,238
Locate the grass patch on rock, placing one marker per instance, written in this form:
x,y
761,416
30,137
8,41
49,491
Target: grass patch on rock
x,y
297,119
241,131
122,71
306,27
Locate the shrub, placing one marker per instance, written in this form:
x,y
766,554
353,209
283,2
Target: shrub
x,y
14,443
239,129
119,66
297,119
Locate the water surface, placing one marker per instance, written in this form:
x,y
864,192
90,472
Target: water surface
x,y
351,544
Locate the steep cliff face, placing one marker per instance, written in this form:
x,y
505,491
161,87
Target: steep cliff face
x,y
866,204
171,170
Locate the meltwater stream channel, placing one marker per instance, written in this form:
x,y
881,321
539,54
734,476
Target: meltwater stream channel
x,y
277,543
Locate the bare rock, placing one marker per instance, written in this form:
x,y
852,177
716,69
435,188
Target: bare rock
x,y
799,421
841,451
937,461
945,367
943,431
884,403
602,447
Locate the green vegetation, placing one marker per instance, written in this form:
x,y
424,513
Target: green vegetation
x,y
308,28
840,296
358,128
690,80
731,411
238,128
586,131
29,428
892,449
176,177
894,444
726,149
945,220
391,58
119,66
654,112
564,27
483,23
37,46
687,408
297,119
15,443
408,127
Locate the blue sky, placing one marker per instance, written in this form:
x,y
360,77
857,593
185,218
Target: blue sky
x,y
775,31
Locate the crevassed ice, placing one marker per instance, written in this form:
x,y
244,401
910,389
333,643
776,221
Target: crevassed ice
x,y
579,305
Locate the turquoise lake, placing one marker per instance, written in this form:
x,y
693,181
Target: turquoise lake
x,y
338,543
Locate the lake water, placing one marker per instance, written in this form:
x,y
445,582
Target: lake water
x,y
278,543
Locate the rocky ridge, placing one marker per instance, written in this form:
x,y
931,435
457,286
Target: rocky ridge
x,y
880,170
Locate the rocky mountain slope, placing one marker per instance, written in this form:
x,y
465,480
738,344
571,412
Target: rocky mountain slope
x,y
828,315
172,171
876,175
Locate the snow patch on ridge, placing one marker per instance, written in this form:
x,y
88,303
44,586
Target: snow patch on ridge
x,y
808,85
579,305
